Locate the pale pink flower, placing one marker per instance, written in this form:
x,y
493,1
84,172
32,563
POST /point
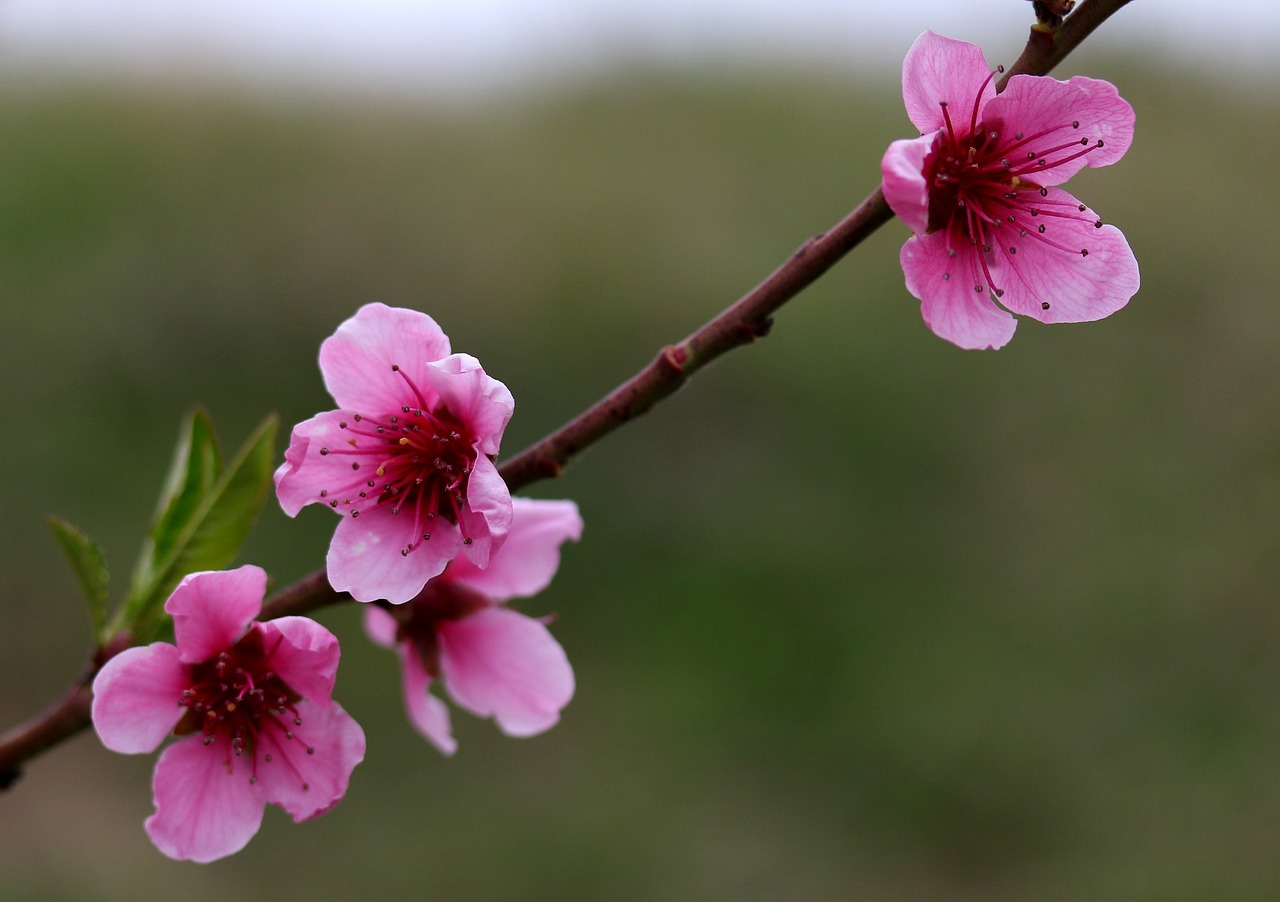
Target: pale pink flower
x,y
407,459
993,234
493,661
255,702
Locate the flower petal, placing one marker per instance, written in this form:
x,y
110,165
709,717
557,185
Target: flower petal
x,y
308,774
529,556
486,518
938,69
1077,288
212,609
365,557
475,398
945,285
904,184
357,359
1032,104
304,654
380,626
205,809
135,698
310,474
427,713
501,664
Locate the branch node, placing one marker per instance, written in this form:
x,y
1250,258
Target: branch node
x,y
674,357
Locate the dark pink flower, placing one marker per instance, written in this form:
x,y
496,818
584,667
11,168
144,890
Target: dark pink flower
x,y
993,233
255,703
493,661
407,459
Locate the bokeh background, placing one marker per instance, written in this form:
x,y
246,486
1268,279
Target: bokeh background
x,y
856,615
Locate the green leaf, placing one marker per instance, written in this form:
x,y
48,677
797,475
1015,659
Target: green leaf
x,y
197,463
90,567
204,517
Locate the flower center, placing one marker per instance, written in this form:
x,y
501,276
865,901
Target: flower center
x,y
419,458
236,696
418,622
983,189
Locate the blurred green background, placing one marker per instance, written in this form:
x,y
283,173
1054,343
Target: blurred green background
x,y
857,615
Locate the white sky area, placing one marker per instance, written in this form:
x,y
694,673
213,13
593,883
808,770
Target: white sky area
x,y
455,48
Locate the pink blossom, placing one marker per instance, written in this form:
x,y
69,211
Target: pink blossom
x,y
255,703
993,233
407,459
494,661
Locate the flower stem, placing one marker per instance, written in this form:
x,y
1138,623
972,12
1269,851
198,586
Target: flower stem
x,y
745,320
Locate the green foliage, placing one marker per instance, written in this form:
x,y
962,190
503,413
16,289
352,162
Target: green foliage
x,y
204,514
90,567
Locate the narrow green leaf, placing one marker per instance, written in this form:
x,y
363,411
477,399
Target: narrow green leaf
x,y
203,527
90,567
197,463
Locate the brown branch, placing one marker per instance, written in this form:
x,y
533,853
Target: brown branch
x,y
744,321
747,319
25,741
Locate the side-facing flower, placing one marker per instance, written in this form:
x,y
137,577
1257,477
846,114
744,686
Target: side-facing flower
x,y
993,233
255,701
407,459
493,661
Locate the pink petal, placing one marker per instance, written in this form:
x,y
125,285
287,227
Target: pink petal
x,y
474,397
501,664
1030,104
212,609
204,810
306,472
135,698
904,185
937,68
365,556
952,307
427,713
309,783
1077,288
486,518
304,654
380,626
529,556
356,360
